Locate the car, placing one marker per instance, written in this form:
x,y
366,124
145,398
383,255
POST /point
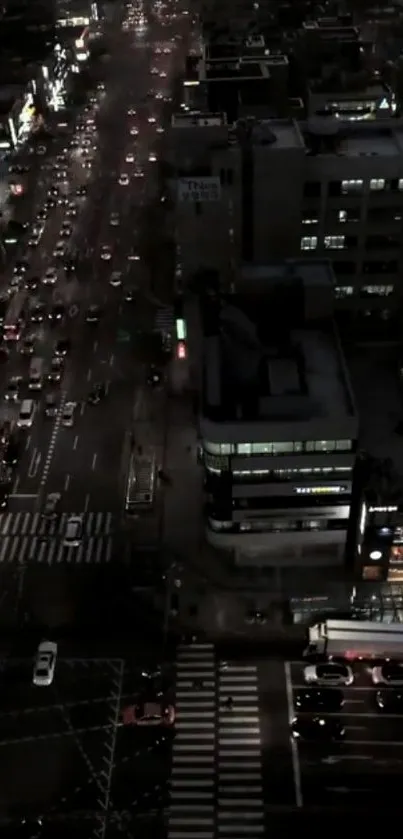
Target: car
x,y
56,370
317,729
66,230
163,74
86,164
160,129
68,414
116,279
57,312
12,390
154,71
149,714
62,347
390,673
152,157
28,345
130,295
70,265
129,157
37,314
151,120
50,276
93,314
138,173
11,452
45,663
124,179
26,414
5,488
71,210
59,250
31,283
81,190
114,220
61,175
131,112
51,405
134,131
106,252
50,203
52,500
327,700
167,50
21,266
332,673
73,534
41,150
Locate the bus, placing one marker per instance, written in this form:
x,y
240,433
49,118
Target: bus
x,y
13,323
140,491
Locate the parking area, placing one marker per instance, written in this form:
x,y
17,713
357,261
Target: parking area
x,y
56,742
361,770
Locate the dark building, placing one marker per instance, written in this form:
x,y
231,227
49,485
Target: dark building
x,y
28,29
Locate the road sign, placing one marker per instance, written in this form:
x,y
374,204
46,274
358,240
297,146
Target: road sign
x,y
198,190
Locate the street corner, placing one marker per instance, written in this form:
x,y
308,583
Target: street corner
x,y
356,759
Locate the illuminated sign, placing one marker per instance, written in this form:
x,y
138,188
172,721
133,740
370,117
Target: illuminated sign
x,y
322,490
181,350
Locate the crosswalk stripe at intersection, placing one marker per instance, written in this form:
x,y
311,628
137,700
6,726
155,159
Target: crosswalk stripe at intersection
x,y
194,748
240,809
30,538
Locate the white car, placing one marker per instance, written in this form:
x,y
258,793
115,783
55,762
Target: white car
x,y
114,220
160,129
331,673
124,180
106,252
151,120
130,157
116,279
74,529
163,74
59,250
152,157
68,414
132,112
139,173
50,276
390,673
134,131
45,663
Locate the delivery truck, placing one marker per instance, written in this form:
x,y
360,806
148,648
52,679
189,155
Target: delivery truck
x,y
355,640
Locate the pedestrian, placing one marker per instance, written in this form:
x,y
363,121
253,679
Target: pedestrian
x,y
229,703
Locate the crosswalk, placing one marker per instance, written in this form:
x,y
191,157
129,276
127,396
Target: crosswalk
x,y
216,780
30,538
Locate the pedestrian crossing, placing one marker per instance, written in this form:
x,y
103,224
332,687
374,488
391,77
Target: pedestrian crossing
x,y
30,538
216,781
192,808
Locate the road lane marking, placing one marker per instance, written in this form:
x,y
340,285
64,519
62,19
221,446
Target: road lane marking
x,y
95,347
82,409
89,375
94,461
67,482
53,438
16,485
86,502
75,442
111,360
34,463
27,442
294,748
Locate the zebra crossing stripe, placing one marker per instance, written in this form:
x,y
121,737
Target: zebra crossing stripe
x,y
240,808
34,524
29,538
192,809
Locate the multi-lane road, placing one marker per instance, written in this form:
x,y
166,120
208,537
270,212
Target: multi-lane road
x,y
120,132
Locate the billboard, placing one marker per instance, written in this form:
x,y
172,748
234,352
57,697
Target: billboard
x,y
198,190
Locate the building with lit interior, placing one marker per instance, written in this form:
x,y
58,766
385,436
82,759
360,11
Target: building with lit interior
x,y
278,423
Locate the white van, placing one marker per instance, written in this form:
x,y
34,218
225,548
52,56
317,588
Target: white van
x,y
74,527
27,413
35,381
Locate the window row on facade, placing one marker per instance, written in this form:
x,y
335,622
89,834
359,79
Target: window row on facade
x,y
279,448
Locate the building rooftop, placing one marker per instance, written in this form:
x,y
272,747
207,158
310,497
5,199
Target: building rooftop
x,y
265,362
233,70
280,133
8,95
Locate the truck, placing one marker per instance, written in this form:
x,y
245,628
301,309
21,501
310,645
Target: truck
x,y
353,639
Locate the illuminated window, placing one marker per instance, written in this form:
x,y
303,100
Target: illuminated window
x,y
335,242
309,243
341,291
377,184
378,290
354,185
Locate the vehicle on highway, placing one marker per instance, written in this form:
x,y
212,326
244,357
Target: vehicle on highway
x,y
59,249
149,713
12,390
319,699
36,370
68,414
50,276
81,190
56,370
62,347
317,729
93,314
151,120
11,451
28,345
57,312
134,131
45,664
114,220
74,532
31,282
332,673
51,405
66,230
21,267
390,673
106,252
37,313
129,157
52,500
124,179
152,157
131,112
97,393
140,490
14,320
116,279
26,414
71,210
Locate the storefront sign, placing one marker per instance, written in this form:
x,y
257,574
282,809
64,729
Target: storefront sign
x,y
198,190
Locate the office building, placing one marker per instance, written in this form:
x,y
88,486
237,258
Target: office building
x,y
278,423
